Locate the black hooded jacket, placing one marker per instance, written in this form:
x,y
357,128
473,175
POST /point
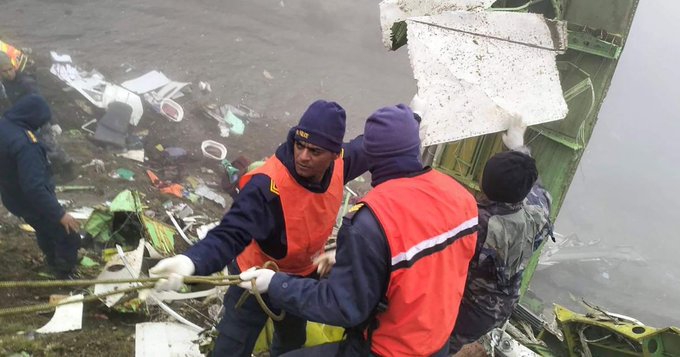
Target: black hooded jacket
x,y
26,185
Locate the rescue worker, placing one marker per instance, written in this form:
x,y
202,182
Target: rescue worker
x,y
402,255
17,84
26,184
284,212
514,219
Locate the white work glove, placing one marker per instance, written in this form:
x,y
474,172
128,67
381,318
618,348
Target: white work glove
x,y
325,262
513,138
263,277
418,105
175,269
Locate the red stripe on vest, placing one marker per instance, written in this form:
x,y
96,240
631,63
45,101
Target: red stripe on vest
x,y
430,223
309,218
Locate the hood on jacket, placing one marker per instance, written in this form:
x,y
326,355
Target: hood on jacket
x,y
30,112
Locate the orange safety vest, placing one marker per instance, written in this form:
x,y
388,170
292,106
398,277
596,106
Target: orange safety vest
x,y
430,222
309,218
16,56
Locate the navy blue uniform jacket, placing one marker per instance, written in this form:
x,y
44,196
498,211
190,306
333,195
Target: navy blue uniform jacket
x,y
26,183
257,213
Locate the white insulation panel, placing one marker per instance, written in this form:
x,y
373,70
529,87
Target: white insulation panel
x,y
475,70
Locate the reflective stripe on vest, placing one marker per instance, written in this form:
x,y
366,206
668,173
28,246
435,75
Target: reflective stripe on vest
x,y
430,222
309,218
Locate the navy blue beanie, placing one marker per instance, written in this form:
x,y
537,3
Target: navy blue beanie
x,y
322,124
509,176
391,131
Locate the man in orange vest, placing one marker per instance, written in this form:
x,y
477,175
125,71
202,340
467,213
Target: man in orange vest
x,y
284,213
402,256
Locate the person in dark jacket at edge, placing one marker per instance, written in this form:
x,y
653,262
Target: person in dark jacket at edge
x,y
402,255
285,213
514,219
17,84
26,185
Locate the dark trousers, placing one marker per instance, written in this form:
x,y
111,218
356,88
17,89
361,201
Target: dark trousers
x,y
239,328
471,325
60,248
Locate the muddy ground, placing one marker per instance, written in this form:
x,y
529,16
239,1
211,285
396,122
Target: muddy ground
x,y
311,49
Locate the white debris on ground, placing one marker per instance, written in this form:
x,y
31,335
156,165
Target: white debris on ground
x,y
68,317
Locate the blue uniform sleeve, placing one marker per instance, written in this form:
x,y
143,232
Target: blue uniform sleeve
x,y
356,162
355,285
251,216
29,84
34,179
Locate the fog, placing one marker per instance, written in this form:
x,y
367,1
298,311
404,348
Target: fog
x,y
625,191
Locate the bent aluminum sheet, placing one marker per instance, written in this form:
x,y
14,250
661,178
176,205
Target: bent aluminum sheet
x,y
475,70
165,339
67,317
392,11
116,269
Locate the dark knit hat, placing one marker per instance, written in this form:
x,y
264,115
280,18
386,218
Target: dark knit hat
x,y
323,124
391,131
508,176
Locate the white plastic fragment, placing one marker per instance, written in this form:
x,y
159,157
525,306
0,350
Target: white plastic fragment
x,y
204,86
165,339
171,110
475,70
136,155
206,192
179,229
202,231
67,317
208,145
173,295
82,213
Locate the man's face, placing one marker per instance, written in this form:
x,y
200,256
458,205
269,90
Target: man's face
x,y
7,72
311,161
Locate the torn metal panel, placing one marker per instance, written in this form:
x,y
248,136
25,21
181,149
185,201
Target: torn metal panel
x,y
161,235
90,84
165,339
126,201
146,83
475,70
393,11
67,317
116,269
